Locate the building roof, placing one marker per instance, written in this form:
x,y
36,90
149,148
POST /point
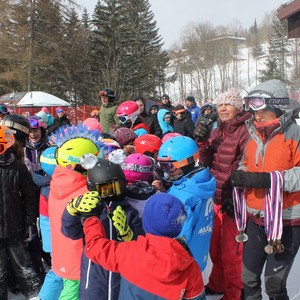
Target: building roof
x,y
290,11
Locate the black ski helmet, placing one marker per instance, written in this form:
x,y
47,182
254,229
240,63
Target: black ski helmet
x,y
109,93
105,172
18,124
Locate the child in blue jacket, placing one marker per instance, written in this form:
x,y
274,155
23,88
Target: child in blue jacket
x,y
195,187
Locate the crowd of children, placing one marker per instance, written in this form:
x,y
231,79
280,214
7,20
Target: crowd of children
x,y
118,212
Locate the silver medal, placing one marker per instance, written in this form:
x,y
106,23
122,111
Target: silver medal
x,y
241,237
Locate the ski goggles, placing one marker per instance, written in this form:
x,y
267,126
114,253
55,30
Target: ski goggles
x,y
123,119
103,94
258,103
3,110
171,166
105,150
108,189
35,123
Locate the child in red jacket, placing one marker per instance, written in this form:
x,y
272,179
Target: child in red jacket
x,y
156,266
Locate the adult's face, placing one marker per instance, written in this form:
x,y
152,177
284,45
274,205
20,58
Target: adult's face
x,y
104,100
227,112
141,105
264,116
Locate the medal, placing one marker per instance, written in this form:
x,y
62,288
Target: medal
x,y
269,249
241,237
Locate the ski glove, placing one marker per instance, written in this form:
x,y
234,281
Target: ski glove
x,y
83,204
258,180
120,222
201,130
228,208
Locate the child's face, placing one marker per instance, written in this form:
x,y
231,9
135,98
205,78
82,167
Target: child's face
x,y
167,118
35,135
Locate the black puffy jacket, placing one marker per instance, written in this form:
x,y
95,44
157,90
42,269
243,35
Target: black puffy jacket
x,y
185,125
17,198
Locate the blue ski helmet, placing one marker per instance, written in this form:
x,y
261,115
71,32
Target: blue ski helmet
x,y
48,160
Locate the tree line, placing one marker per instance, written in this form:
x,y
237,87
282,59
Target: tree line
x,y
44,45
210,59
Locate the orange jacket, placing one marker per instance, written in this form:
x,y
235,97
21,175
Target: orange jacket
x,y
279,152
66,253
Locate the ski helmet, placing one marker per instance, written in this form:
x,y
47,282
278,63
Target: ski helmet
x,y
109,146
48,161
6,138
147,143
271,95
178,152
18,124
170,135
108,179
128,111
138,167
109,93
92,124
69,153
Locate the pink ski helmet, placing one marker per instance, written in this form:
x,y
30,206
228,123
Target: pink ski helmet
x,y
128,110
170,135
137,167
92,124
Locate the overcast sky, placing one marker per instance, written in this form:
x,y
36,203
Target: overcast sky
x,y
173,15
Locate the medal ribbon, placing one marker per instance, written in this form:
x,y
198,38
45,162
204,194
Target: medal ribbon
x,y
240,211
273,207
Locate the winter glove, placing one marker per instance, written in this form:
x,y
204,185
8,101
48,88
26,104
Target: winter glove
x,y
120,222
228,208
83,204
258,180
202,130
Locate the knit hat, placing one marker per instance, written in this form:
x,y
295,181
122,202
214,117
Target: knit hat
x,y
124,135
43,116
166,97
232,97
59,109
190,98
45,110
164,215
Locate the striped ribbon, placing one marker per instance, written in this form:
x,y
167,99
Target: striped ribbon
x,y
273,207
240,211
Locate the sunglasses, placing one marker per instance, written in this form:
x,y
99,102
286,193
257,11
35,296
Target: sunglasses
x,y
103,93
59,111
123,119
257,103
109,189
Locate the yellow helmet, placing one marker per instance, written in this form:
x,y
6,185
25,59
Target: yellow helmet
x,y
69,153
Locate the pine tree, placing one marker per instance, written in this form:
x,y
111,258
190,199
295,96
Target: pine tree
x,y
276,62
125,47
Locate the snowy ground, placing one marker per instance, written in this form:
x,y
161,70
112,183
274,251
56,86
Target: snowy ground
x,y
293,283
